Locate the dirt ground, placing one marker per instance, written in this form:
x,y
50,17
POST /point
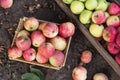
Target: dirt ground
x,y
45,10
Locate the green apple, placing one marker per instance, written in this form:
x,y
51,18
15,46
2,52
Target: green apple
x,y
96,30
82,0
102,5
91,4
67,1
107,14
77,7
85,16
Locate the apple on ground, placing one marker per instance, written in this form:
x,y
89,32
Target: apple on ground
x,y
79,73
67,1
66,29
113,48
113,21
96,30
76,7
6,3
50,30
113,9
117,58
46,50
14,52
102,5
23,42
98,17
85,16
118,39
57,59
91,4
31,24
59,43
23,32
29,54
100,76
40,59
37,38
109,34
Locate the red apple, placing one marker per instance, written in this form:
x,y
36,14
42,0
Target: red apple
x,y
29,54
57,59
37,38
50,30
59,42
41,26
23,33
113,48
86,56
31,24
46,50
113,8
113,21
100,76
118,40
109,34
23,42
14,52
41,59
66,29
98,17
117,58
6,3
79,73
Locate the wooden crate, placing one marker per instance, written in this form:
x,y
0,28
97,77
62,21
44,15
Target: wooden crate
x,y
47,65
93,41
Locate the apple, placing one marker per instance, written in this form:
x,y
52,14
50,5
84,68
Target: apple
x,y
118,39
113,48
76,7
113,21
98,17
29,54
57,59
23,42
118,29
14,52
6,3
40,59
86,56
23,33
109,34
113,9
100,76
66,29
37,38
85,16
46,50
96,30
79,73
67,1
117,58
41,26
59,43
50,30
102,5
31,24
91,4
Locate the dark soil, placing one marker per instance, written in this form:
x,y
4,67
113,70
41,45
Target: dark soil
x,y
45,10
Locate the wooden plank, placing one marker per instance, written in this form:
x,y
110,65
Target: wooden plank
x,y
94,42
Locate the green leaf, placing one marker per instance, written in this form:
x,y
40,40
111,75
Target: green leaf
x,y
30,76
37,72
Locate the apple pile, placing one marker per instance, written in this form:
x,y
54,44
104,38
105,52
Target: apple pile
x,y
103,21
42,41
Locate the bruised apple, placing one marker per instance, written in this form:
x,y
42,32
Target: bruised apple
x,y
66,29
59,42
14,52
57,59
29,54
46,50
37,38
